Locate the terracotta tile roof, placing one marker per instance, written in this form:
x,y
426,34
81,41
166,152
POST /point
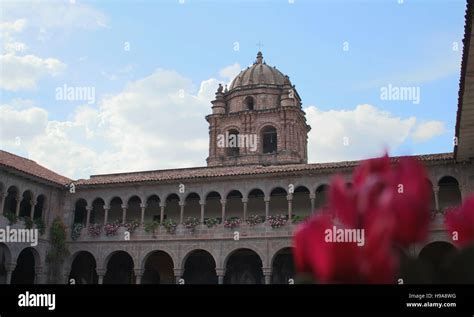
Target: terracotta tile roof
x,y
465,55
231,171
30,167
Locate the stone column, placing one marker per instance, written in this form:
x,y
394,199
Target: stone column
x,y
142,220
290,207
2,202
267,273
203,205
245,202
436,197
32,208
162,211
138,276
124,213
17,211
100,276
464,192
88,217
312,197
10,268
178,273
181,212
220,272
223,202
106,214
267,207
39,275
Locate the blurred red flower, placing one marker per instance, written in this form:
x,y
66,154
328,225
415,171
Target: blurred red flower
x,y
388,204
461,221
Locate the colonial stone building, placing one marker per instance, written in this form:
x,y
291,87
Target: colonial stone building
x,y
269,179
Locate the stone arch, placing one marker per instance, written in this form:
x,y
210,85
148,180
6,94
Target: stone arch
x,y
134,210
172,209
158,268
278,201
83,268
449,194
39,207
27,262
301,201
153,209
192,207
199,267
80,212
119,266
256,202
322,193
243,266
283,268
116,210
234,204
213,208
26,202
11,199
436,256
98,212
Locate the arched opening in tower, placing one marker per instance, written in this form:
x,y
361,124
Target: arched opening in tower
x,y
232,143
269,140
249,103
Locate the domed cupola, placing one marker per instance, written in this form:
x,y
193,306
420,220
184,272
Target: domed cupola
x,y
258,119
259,74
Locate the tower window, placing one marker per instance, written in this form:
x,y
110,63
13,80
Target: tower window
x,y
232,143
249,103
269,137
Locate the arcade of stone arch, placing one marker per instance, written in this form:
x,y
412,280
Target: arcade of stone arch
x,y
272,179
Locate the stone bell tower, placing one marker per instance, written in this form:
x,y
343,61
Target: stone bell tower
x,y
258,120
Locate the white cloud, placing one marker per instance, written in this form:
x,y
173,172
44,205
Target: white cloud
x,y
54,14
155,122
23,72
230,71
360,133
427,130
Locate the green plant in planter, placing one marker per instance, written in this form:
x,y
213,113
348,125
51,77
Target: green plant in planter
x,y
191,222
12,217
151,226
170,225
131,226
59,250
255,220
297,219
76,231
211,222
28,222
40,225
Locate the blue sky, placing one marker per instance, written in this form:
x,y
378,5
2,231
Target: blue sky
x,y
192,46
